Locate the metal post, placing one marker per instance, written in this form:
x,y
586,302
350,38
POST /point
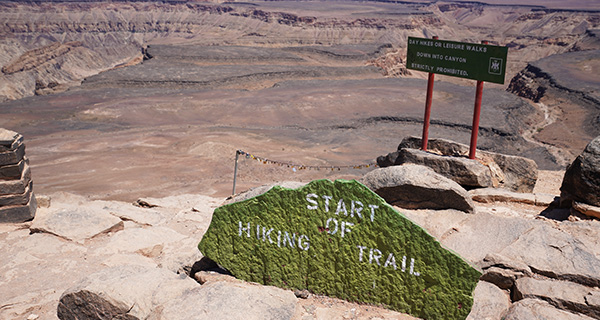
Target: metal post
x,y
237,155
476,113
427,115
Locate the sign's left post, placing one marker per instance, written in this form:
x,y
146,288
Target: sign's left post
x,y
427,115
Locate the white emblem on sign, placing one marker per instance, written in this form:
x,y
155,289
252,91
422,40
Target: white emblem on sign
x,y
495,66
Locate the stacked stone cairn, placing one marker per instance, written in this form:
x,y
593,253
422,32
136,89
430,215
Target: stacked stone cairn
x,y
17,202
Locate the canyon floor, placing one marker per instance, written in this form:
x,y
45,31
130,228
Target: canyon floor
x,y
173,123
158,103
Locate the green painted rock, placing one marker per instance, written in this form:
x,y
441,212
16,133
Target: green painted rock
x,y
340,239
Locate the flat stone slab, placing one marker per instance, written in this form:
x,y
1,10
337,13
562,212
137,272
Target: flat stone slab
x,y
75,224
144,240
19,213
587,209
12,156
340,239
13,171
534,309
564,294
489,195
472,236
129,212
17,199
555,254
16,186
8,139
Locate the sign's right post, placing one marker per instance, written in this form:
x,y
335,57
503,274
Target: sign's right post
x,y
476,114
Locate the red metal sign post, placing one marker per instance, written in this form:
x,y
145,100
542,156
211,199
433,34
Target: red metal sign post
x,y
476,114
427,115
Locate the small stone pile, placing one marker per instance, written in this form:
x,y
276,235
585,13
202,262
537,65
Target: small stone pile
x,y
449,158
17,202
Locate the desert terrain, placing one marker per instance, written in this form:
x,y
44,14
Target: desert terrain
x,y
122,100
127,98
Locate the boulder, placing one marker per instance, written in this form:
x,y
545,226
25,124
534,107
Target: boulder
x,y
204,276
232,300
497,260
123,292
388,159
439,223
417,187
562,294
510,172
582,177
466,172
533,309
441,146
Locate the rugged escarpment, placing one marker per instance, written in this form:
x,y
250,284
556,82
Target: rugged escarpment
x,y
52,63
572,73
112,34
525,85
566,87
35,58
106,39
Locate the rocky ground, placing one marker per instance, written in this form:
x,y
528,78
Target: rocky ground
x,y
73,239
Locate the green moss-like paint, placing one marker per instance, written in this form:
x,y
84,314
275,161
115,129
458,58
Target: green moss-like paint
x,y
439,285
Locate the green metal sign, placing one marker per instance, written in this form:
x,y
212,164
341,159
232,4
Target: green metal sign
x,y
459,59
